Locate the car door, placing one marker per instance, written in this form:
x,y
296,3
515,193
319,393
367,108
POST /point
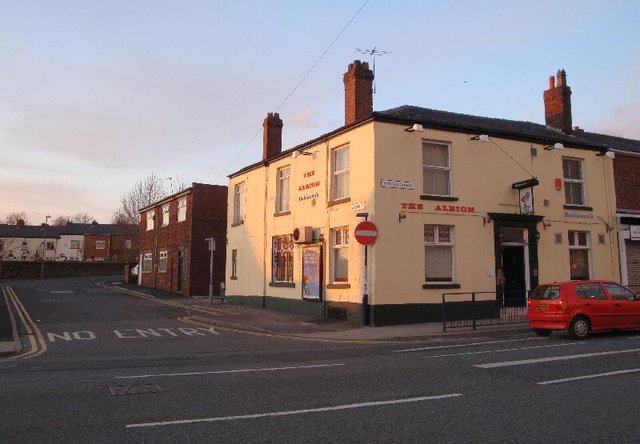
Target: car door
x,y
592,300
625,304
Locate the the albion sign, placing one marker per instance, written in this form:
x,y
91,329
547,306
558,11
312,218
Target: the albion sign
x,y
443,208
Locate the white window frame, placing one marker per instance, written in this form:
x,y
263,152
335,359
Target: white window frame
x,y
150,220
573,242
283,189
339,247
182,209
147,263
426,168
101,245
239,192
128,244
165,214
340,176
437,243
581,181
163,259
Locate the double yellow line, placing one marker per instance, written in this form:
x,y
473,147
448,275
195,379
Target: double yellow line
x,y
37,344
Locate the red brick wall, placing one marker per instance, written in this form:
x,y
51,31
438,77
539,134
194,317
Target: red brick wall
x,y
91,253
206,217
627,179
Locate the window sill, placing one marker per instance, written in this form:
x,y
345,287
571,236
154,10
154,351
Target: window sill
x,y
338,286
282,284
338,201
578,207
235,224
442,285
234,278
282,213
441,198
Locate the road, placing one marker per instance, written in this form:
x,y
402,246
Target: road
x,y
108,367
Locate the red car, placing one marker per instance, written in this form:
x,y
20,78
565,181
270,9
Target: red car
x,y
582,307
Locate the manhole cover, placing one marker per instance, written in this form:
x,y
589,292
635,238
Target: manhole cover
x,y
134,389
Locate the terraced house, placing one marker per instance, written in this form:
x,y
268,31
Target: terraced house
x,y
461,204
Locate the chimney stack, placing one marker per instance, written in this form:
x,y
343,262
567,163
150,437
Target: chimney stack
x,y
557,103
272,136
358,92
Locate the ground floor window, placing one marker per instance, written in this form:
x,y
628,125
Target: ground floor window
x,y
579,255
282,258
438,253
147,261
340,254
162,261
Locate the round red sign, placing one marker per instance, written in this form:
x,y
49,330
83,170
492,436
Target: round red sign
x,y
366,233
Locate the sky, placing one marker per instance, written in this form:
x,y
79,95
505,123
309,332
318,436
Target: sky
x,y
97,95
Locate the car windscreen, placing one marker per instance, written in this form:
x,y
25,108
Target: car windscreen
x,y
546,292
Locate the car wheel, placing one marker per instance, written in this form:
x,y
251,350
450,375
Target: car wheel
x,y
580,327
542,332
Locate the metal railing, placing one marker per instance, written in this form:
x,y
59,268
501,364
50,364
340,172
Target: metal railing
x,y
483,308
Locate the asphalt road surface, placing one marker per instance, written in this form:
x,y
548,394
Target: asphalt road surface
x,y
103,366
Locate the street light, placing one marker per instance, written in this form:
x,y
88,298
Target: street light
x,y
44,244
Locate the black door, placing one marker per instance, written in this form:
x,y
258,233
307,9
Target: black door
x,y
514,276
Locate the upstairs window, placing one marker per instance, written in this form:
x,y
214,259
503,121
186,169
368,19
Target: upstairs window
x,y
282,190
165,215
436,170
101,245
238,203
340,173
182,209
573,181
150,220
75,245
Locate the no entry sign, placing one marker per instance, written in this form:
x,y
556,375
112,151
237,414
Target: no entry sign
x,y
366,233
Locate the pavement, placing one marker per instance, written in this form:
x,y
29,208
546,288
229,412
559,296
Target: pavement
x,y
219,314
277,323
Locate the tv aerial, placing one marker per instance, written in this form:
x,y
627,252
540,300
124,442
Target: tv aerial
x,y
373,52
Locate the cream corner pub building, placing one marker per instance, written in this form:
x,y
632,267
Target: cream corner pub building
x,y
461,203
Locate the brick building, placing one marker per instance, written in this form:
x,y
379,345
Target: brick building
x,y
174,255
626,165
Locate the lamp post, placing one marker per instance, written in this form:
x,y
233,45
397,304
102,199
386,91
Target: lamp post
x,y
44,245
212,247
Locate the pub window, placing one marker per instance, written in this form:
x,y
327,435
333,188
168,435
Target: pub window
x,y
340,173
282,190
436,170
101,245
579,255
282,258
74,245
438,252
238,203
340,254
573,181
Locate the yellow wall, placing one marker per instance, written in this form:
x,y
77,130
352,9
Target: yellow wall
x,y
481,175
